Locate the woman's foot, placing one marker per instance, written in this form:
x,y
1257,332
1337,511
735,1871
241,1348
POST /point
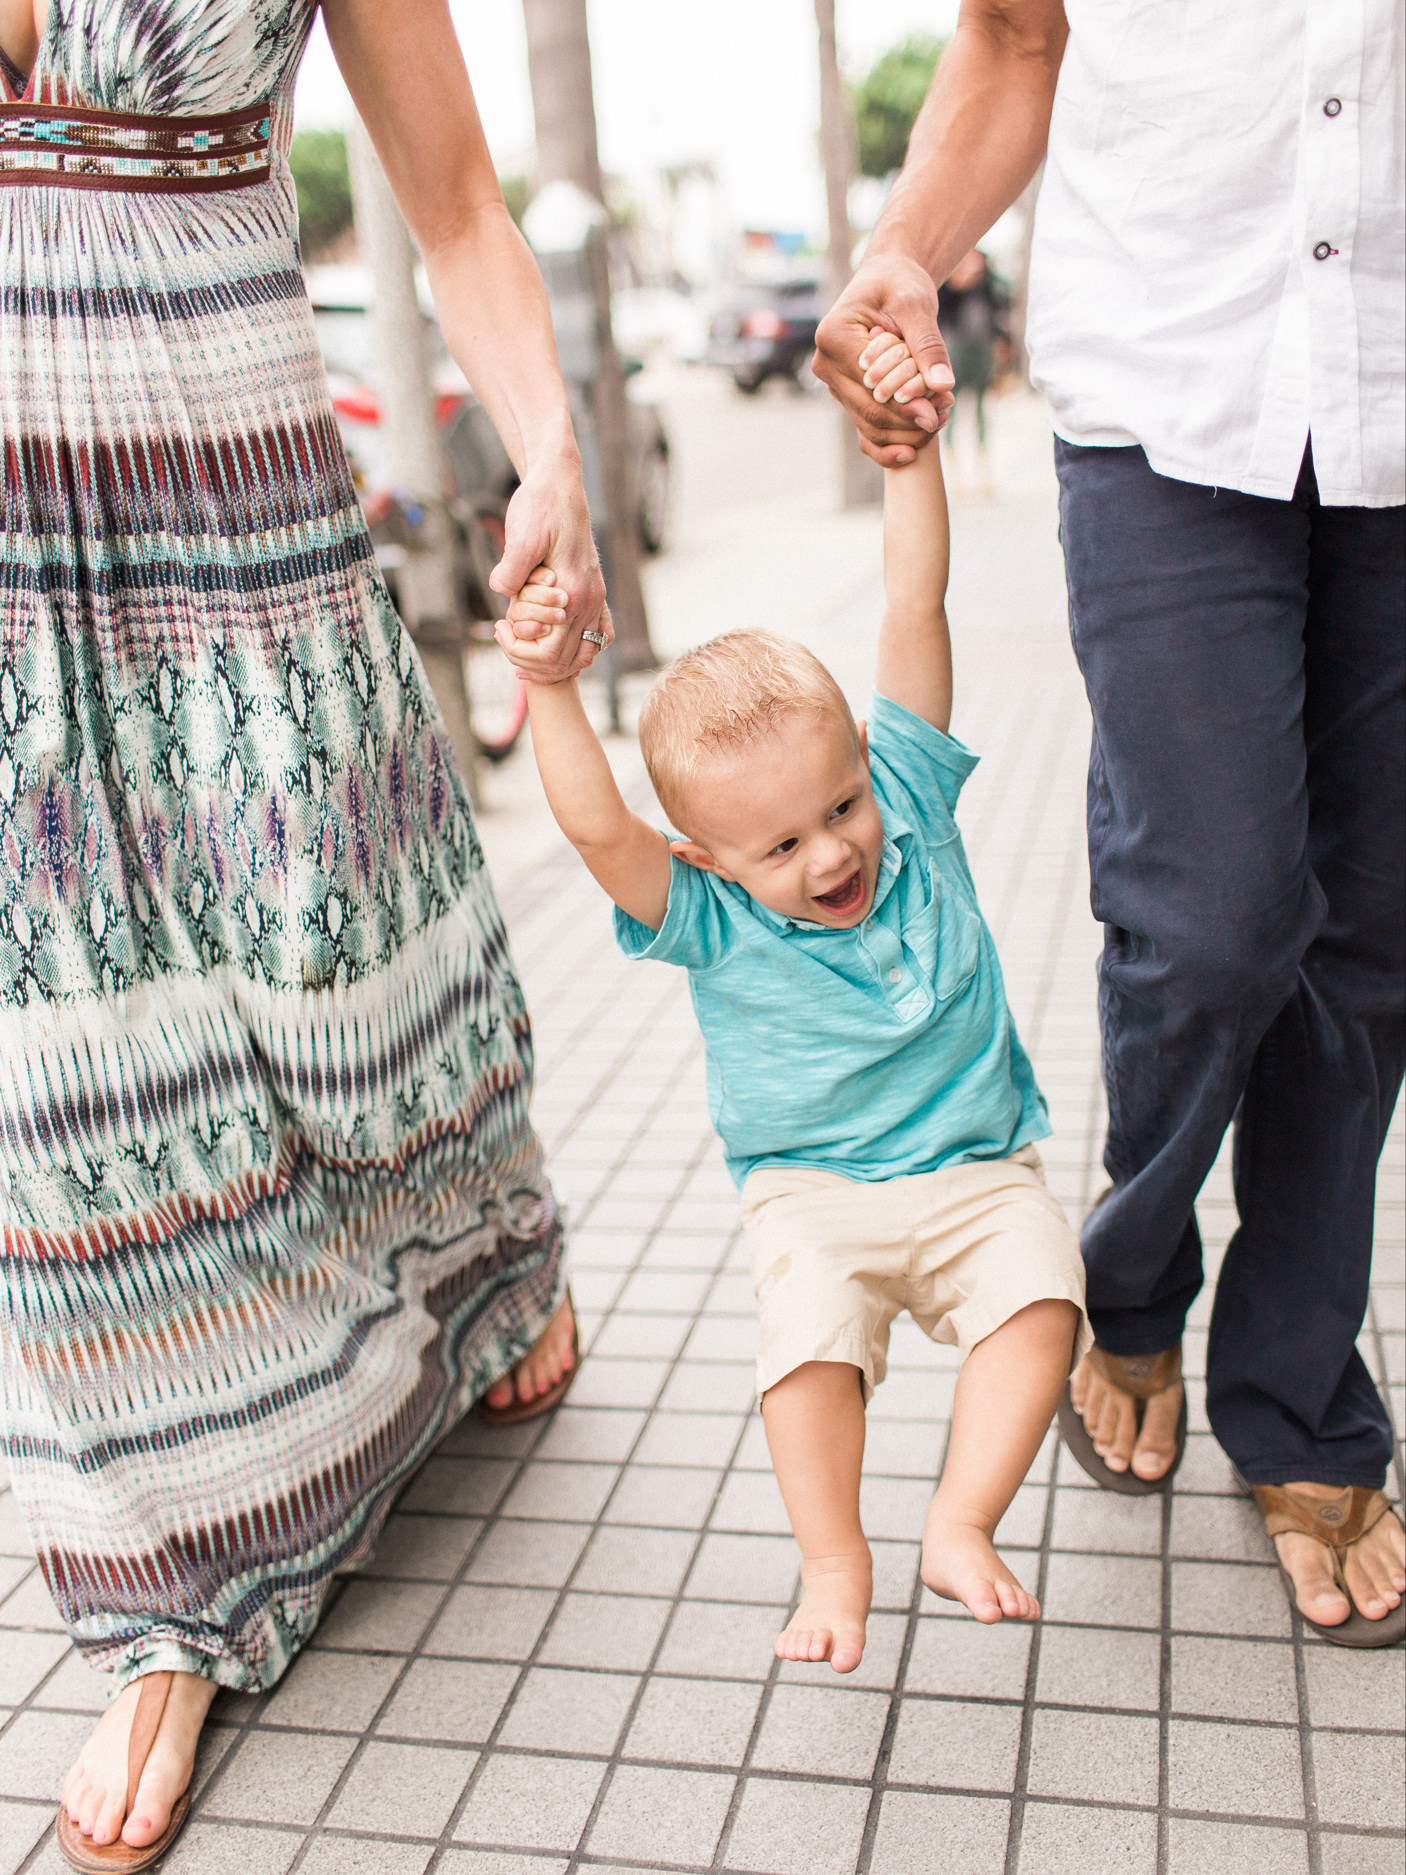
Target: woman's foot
x,y
1110,1416
551,1355
95,1790
961,1564
1375,1567
829,1624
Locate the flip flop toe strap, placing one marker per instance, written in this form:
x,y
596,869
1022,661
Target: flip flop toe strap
x,y
1338,1522
146,1723
1141,1375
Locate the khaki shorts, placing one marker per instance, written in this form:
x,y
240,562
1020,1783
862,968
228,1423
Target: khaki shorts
x,y
964,1249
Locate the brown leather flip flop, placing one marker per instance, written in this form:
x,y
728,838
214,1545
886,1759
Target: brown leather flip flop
x,y
1142,1375
120,1858
518,1410
1337,1524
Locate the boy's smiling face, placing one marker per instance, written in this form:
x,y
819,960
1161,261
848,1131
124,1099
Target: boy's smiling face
x,y
792,819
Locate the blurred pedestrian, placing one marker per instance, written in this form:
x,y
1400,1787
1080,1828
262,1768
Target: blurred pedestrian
x,y
272,1213
1216,318
973,310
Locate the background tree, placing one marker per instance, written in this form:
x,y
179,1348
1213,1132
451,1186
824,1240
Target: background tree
x,y
320,170
887,100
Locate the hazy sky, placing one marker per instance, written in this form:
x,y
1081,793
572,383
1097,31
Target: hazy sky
x,y
731,80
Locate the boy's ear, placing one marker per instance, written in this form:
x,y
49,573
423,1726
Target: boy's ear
x,y
863,730
692,854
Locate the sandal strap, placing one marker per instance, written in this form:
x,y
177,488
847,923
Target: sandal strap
x,y
146,1723
1142,1375
1338,1522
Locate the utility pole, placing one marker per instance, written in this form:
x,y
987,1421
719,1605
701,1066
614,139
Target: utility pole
x,y
862,480
426,586
563,105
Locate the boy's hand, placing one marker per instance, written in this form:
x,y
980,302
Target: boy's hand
x,y
529,633
890,370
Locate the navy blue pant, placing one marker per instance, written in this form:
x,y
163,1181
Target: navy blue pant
x,y
1244,659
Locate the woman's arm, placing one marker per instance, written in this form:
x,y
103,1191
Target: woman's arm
x,y
406,74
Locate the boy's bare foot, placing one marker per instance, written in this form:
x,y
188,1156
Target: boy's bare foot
x,y
829,1624
1110,1415
95,1790
550,1356
961,1564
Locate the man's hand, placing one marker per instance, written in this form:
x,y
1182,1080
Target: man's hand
x,y
549,545
896,294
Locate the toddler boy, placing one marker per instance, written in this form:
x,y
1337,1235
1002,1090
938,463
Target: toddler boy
x,y
875,1105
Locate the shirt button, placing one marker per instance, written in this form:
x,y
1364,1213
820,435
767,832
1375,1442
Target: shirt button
x,y
1322,251
868,924
895,976
1332,107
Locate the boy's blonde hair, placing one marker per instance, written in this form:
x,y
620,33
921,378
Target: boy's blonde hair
x,y
722,695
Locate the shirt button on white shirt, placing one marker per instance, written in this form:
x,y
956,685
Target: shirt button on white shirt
x,y
1332,107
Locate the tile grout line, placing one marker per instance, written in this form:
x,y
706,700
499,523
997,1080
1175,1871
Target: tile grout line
x,y
1015,1829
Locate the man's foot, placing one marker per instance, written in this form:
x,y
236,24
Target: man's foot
x,y
1110,1415
829,1624
95,1790
551,1355
961,1564
1375,1567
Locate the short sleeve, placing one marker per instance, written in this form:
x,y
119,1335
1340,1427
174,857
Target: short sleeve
x,y
696,932
922,759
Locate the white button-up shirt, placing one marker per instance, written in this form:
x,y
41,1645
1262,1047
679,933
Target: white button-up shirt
x,y
1217,268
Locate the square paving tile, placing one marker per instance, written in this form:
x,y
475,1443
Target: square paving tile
x,y
785,1828
523,1553
829,1731
427,1547
1356,1686
722,1640
461,1487
668,1496
558,1710
380,1616
402,1790
530,1803
590,1433
351,1855
694,1721
1103,1522
457,1700
21,1826
959,1745
1196,1848
1244,1770
938,1835
569,1493
1227,1527
745,1568
37,1749
481,1622
1109,1591
658,1815
652,1562
689,1439
278,1777
1222,1598
331,1692
25,1660
1114,1667
613,1631
1069,1839
1357,1855
1234,1679
1360,1779
215,1849
966,1660
1095,1757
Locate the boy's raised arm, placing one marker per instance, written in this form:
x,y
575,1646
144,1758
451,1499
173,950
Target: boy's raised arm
x,y
914,662
625,854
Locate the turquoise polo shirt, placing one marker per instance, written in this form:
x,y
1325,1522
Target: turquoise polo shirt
x,y
875,1052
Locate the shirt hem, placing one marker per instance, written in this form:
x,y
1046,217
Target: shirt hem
x,y
1026,1134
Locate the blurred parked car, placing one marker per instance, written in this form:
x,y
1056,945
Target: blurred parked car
x,y
766,331
484,476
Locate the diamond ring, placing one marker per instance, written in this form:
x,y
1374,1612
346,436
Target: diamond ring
x,y
596,638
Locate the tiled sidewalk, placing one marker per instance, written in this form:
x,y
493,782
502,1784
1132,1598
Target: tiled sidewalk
x,y
560,1658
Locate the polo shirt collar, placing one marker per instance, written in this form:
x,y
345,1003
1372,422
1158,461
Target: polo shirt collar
x,y
897,847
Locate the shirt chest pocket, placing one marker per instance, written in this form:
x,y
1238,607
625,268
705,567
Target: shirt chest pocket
x,y
958,939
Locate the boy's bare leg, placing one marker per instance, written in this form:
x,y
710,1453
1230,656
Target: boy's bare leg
x,y
814,1422
1006,1395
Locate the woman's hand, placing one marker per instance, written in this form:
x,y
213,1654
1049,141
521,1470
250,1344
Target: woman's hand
x,y
551,572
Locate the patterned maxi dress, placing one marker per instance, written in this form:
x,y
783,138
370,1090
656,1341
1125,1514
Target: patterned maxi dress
x,y
271,1211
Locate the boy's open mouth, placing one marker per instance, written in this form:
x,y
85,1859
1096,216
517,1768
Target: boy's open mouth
x,y
846,897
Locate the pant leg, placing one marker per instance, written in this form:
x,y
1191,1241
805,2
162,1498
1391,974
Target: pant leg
x,y
1187,611
1288,1394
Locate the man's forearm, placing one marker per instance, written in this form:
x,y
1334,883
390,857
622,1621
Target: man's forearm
x,y
980,136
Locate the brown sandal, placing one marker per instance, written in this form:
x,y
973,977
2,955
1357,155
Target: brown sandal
x,y
1142,1375
120,1858
517,1410
1337,1524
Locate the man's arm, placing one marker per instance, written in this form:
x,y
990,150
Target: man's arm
x,y
978,140
914,662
